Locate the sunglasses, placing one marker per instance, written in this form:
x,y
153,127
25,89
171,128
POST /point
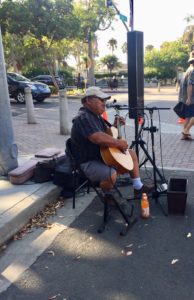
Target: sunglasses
x,y
102,100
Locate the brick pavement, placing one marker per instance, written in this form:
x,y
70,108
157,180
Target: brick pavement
x,y
34,137
175,153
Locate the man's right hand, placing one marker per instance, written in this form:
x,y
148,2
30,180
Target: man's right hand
x,y
122,145
105,140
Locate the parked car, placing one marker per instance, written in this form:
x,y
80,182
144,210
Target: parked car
x,y
17,84
47,79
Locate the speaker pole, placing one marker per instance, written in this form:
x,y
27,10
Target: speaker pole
x,y
135,77
136,136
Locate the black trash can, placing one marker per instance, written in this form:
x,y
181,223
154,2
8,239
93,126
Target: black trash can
x,y
177,195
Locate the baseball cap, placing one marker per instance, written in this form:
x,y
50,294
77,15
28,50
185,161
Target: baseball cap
x,y
96,91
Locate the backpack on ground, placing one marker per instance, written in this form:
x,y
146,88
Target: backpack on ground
x,y
45,169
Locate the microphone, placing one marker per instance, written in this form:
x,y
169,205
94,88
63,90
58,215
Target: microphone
x,y
111,104
114,104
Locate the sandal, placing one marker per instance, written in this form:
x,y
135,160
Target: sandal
x,y
186,134
187,137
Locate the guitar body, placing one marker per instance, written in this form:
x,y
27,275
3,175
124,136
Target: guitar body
x,y
116,158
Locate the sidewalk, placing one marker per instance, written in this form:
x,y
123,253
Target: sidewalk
x,y
19,203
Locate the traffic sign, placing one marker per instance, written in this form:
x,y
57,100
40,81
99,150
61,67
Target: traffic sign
x,y
123,18
108,3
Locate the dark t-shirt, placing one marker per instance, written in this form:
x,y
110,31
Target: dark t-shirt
x,y
188,79
84,125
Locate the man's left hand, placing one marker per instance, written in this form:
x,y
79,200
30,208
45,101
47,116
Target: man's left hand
x,y
119,120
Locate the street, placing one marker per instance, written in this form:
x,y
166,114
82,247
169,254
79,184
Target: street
x,y
18,109
154,261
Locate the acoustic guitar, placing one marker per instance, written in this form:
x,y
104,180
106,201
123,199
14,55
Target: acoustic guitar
x,y
114,157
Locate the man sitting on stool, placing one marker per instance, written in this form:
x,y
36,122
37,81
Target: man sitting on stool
x,y
88,134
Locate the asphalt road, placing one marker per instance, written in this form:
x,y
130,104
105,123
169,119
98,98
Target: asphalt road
x,y
153,262
19,109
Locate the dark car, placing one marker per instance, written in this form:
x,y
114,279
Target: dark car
x,y
17,84
47,79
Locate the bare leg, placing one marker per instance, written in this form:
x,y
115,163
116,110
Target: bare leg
x,y
188,126
107,185
187,120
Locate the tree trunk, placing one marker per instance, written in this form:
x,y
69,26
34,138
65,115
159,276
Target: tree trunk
x,y
158,86
56,67
15,66
51,70
14,62
8,148
91,79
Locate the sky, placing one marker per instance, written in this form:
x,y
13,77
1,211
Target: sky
x,y
159,20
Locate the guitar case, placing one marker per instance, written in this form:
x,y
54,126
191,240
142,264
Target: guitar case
x,y
49,152
24,172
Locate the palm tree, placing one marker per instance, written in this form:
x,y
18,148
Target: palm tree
x,y
112,44
149,48
124,47
111,61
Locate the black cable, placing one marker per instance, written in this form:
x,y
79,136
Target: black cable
x,y
148,173
161,151
142,134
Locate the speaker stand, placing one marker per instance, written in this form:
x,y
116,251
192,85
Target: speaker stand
x,y
139,142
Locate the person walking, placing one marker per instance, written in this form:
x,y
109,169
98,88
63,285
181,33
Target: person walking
x,y
186,95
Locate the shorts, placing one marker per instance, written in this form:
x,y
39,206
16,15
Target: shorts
x,y
97,171
189,111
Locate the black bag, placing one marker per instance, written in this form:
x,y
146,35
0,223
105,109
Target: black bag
x,y
63,173
63,177
179,109
45,169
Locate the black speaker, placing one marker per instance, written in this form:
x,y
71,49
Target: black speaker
x,y
135,73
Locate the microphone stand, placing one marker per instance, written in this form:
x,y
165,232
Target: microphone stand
x,y
139,142
152,129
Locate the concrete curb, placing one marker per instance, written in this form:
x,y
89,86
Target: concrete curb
x,y
16,217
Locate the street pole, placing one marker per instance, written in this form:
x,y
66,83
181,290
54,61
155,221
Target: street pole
x,y
118,12
63,111
8,148
91,80
29,106
136,119
131,20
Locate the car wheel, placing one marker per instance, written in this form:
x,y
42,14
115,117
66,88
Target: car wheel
x,y
20,97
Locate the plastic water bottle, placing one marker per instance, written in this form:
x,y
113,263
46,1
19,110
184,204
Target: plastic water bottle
x,y
145,207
